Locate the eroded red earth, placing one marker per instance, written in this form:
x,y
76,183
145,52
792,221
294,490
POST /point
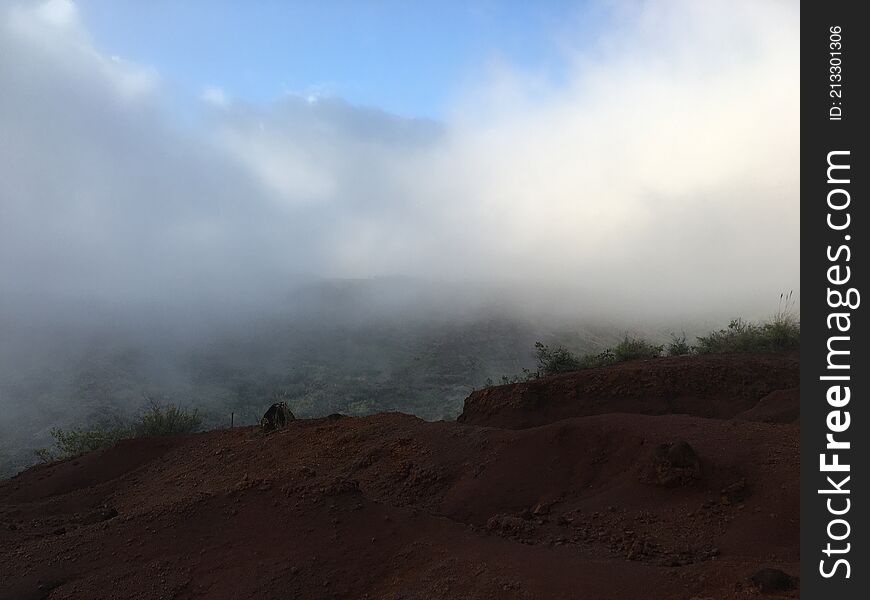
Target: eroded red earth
x,y
550,489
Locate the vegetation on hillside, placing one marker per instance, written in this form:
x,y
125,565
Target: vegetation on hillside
x,y
631,348
780,333
678,345
156,420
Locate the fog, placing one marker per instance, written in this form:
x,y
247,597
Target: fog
x,y
657,181
665,167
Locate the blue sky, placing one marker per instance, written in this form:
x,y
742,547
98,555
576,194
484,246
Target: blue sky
x,y
403,57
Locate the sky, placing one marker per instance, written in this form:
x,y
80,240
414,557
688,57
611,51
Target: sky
x,y
184,154
407,58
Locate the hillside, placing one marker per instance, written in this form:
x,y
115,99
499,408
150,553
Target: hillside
x,y
671,478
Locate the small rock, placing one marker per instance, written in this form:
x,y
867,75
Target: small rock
x,y
673,464
734,493
682,456
541,509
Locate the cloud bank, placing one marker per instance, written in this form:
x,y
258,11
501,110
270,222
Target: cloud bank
x,y
661,172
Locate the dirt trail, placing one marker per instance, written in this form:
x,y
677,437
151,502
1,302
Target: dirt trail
x,y
389,506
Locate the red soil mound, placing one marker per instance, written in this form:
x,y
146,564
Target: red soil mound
x,y
390,506
713,386
781,406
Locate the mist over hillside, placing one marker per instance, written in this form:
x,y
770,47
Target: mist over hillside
x,y
349,346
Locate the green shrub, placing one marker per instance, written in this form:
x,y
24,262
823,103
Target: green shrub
x,y
552,361
75,442
159,420
555,360
631,348
780,334
678,345
156,420
602,359
526,375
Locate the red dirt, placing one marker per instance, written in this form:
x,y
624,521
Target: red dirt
x,y
714,386
389,506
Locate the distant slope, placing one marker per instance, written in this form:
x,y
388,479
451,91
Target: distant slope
x,y
359,365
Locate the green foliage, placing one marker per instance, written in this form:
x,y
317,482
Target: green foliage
x,y
156,420
75,442
526,375
555,360
631,348
678,345
776,335
44,455
552,361
781,333
160,420
602,359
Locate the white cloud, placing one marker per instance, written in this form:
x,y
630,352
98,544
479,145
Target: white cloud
x,y
61,13
54,38
665,171
215,96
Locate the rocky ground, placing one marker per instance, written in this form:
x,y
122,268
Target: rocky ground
x,y
669,478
